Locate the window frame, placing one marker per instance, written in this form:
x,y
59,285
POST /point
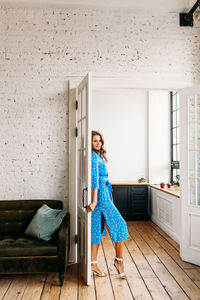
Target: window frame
x,y
175,164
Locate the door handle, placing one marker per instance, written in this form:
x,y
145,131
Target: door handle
x,y
83,197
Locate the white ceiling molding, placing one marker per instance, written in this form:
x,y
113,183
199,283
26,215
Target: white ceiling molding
x,y
159,6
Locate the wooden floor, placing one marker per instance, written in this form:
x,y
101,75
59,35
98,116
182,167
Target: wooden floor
x,y
153,267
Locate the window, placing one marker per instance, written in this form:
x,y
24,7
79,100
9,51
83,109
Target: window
x,y
175,142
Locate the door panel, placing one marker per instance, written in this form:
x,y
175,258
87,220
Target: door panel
x,y
189,174
72,183
84,177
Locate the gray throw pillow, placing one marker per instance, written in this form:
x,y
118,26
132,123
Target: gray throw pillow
x,y
45,222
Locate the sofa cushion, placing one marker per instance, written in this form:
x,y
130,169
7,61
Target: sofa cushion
x,y
15,215
15,246
45,222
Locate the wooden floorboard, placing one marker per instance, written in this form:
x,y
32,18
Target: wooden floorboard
x,y
84,291
165,235
51,289
104,288
35,286
5,282
69,290
187,285
121,288
153,267
16,288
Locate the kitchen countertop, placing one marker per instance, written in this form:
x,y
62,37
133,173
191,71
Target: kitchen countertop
x,y
172,190
129,183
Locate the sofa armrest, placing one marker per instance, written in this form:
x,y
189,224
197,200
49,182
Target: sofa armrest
x,y
64,237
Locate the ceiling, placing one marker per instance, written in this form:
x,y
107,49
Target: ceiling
x,y
141,5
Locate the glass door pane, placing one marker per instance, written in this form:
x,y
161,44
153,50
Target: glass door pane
x,y
198,192
193,150
191,110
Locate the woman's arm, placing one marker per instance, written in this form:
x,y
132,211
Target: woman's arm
x,y
94,182
94,195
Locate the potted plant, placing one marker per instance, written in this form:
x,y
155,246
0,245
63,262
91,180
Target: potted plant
x,y
169,185
142,179
162,184
175,185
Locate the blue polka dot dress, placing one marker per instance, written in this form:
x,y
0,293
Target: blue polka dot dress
x,y
116,224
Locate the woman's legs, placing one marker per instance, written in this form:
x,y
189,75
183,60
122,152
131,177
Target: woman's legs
x,y
119,253
94,251
95,248
119,249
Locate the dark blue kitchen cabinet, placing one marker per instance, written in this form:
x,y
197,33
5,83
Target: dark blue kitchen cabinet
x,y
131,201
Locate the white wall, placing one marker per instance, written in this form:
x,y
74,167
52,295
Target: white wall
x,y
136,128
121,116
159,136
41,49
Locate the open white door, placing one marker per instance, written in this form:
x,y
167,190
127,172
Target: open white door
x,y
72,180
84,177
190,174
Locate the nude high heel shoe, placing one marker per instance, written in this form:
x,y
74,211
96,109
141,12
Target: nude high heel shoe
x,y
102,274
122,275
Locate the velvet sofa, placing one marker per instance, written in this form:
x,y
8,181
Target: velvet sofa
x,y
20,253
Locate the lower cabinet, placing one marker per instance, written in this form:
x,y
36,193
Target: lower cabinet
x,y
165,212
131,201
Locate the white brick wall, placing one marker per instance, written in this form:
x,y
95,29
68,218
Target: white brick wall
x,y
41,48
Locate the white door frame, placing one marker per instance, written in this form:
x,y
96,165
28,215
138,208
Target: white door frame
x,y
110,83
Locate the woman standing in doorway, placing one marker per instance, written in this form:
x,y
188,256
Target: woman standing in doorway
x,y
103,209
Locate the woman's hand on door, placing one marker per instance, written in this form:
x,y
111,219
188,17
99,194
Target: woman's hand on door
x,y
91,207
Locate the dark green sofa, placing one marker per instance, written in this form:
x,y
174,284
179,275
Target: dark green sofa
x,y
20,253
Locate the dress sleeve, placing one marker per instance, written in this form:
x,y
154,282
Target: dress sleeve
x,y
94,173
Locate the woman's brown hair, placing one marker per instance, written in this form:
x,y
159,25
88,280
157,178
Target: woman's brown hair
x,y
102,150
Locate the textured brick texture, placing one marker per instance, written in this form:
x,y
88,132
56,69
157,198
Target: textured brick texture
x,y
40,49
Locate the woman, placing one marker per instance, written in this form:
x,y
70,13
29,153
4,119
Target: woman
x,y
103,210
